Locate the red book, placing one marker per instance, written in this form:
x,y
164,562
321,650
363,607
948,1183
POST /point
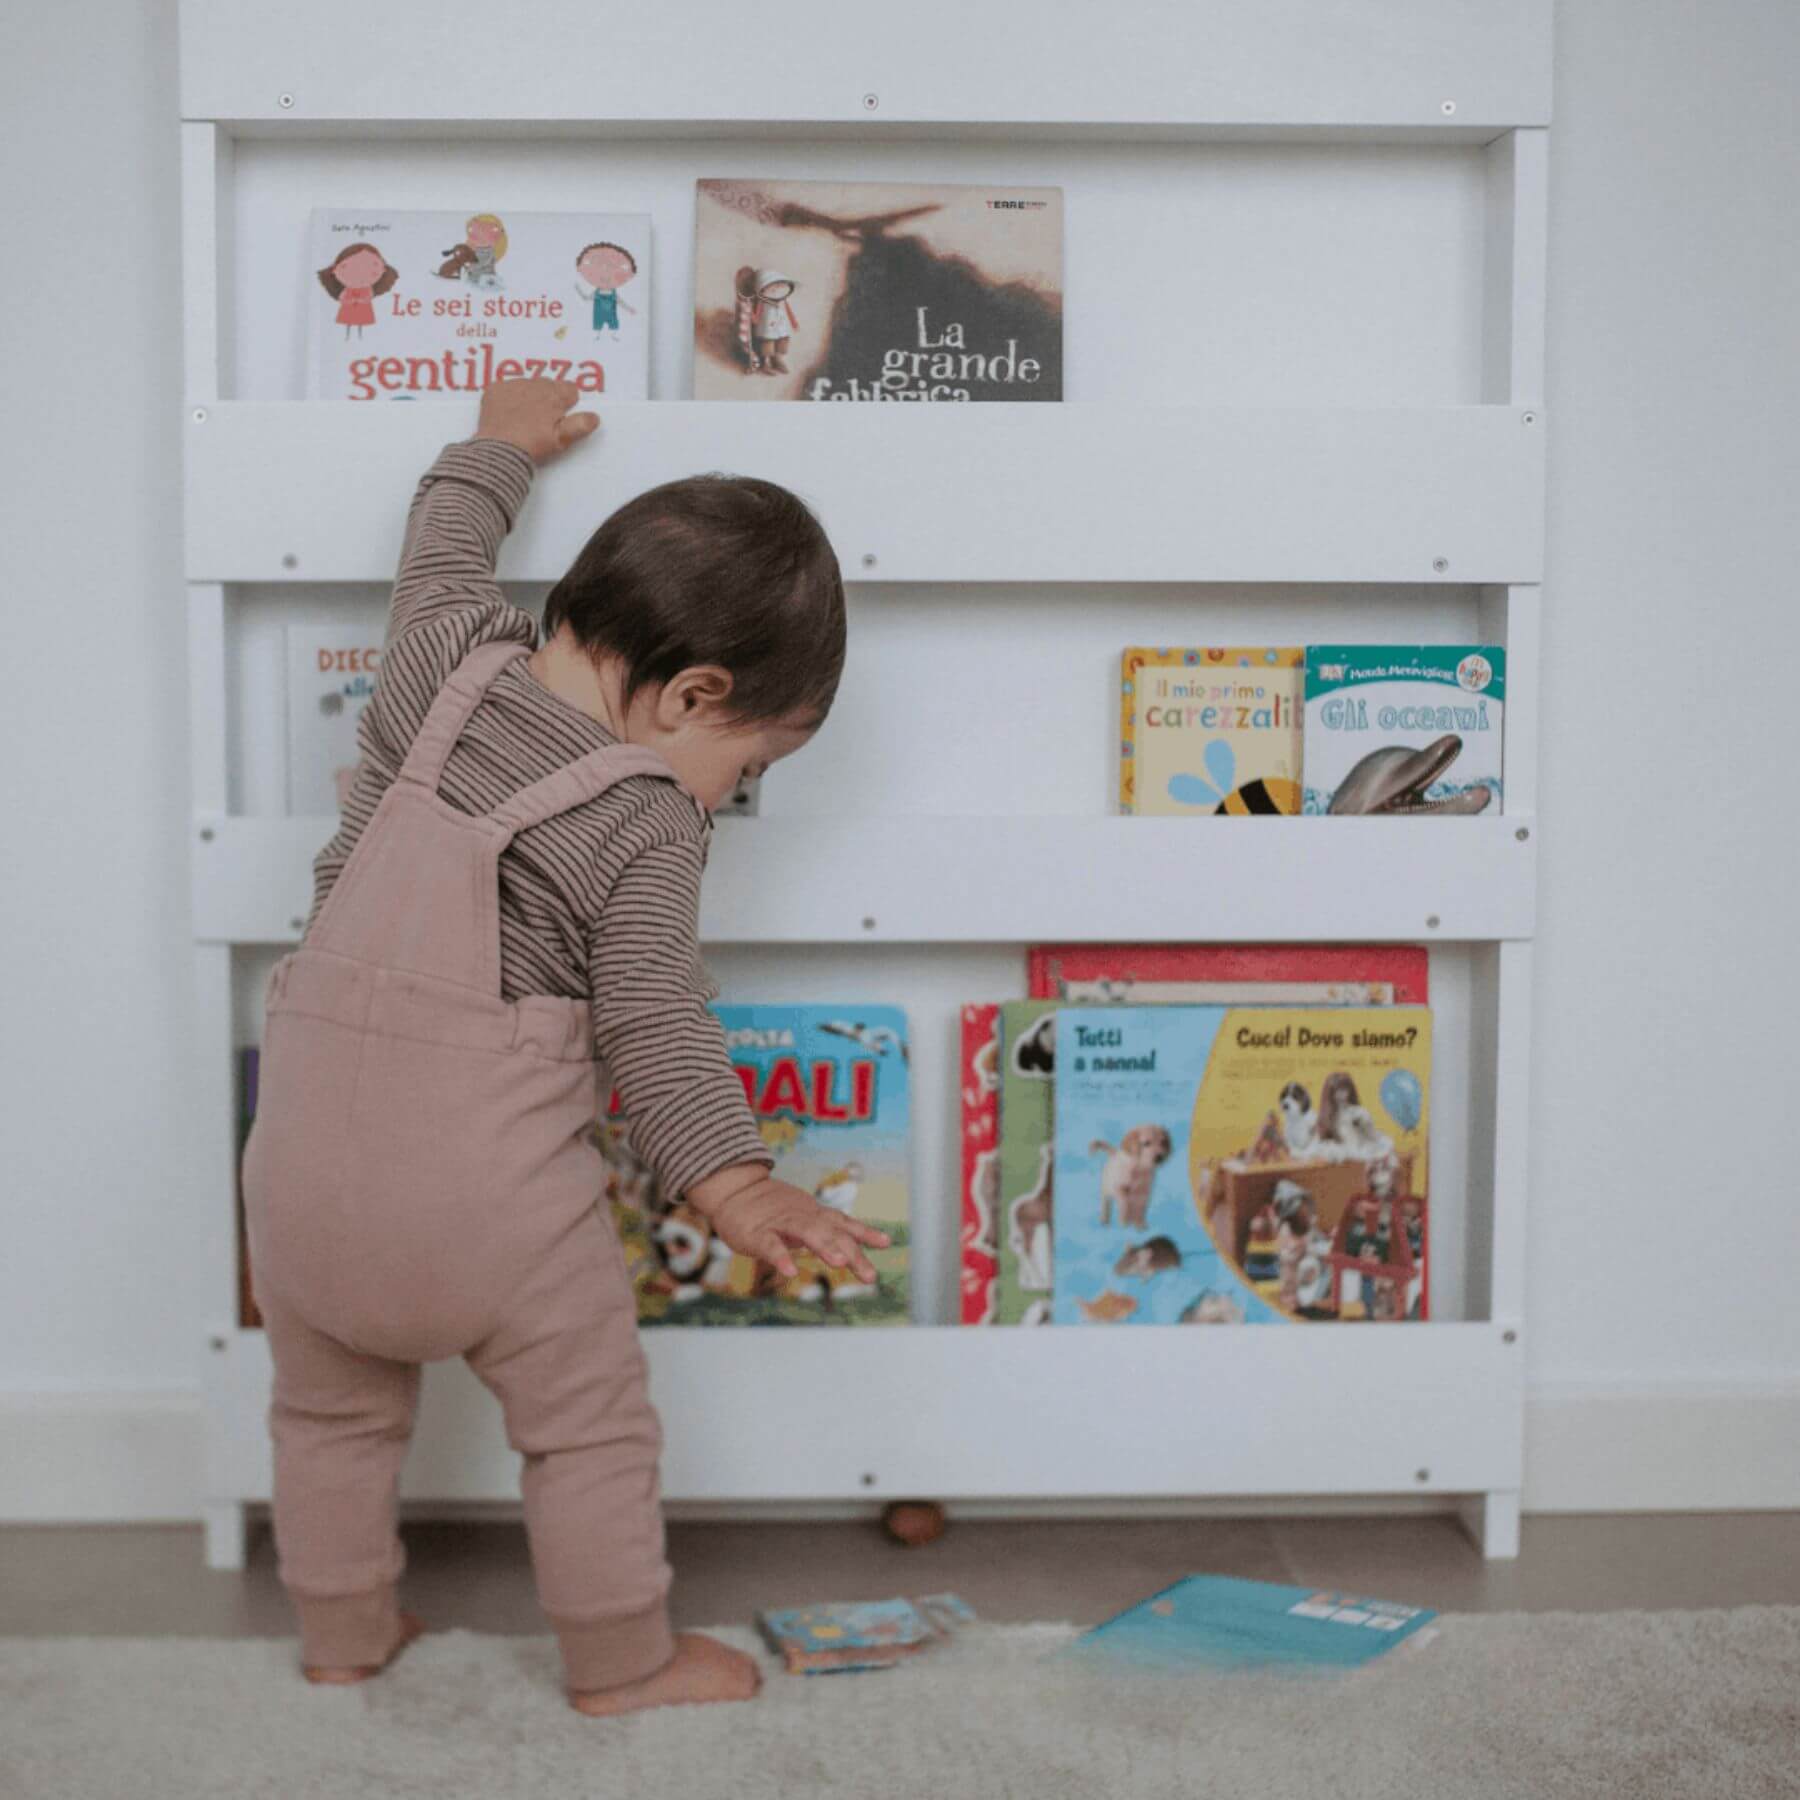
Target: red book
x,y
1405,966
978,1068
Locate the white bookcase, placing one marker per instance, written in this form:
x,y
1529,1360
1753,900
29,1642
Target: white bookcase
x,y
1305,293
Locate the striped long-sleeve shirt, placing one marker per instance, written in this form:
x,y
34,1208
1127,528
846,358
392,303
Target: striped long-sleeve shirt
x,y
600,903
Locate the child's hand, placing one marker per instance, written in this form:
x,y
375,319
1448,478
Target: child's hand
x,y
761,1217
533,414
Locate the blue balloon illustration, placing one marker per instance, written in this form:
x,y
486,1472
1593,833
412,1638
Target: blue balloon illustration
x,y
1403,1097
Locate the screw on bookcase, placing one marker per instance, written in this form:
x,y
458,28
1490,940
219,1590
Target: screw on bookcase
x,y
868,560
1447,108
1509,1337
206,834
1441,564
868,924
870,102
285,102
297,924
1522,833
1527,418
1431,921
1421,1475
868,1481
216,1342
199,415
290,561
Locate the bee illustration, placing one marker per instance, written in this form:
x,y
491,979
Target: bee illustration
x,y
1219,790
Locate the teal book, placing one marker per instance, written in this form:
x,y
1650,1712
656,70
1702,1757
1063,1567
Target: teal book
x,y
836,1638
1216,1622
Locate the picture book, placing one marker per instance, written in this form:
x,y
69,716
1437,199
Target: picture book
x,y
869,291
1210,730
978,1081
837,1638
410,304
1217,1622
1025,1226
829,1087
1106,992
1411,729
1058,971
1223,1165
331,671
249,1074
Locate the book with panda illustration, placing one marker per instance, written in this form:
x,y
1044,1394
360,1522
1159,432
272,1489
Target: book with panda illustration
x,y
423,305
877,291
1222,1165
1404,729
1024,1229
1210,730
830,1089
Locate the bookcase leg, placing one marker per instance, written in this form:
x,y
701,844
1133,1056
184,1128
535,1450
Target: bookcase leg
x,y
226,1534
1492,1520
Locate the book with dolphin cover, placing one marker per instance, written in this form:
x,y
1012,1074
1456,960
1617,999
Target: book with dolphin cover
x,y
1410,730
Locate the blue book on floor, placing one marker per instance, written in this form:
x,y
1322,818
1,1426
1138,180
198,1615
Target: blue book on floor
x,y
1215,1622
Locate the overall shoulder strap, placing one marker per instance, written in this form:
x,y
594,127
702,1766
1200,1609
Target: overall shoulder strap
x,y
578,782
449,712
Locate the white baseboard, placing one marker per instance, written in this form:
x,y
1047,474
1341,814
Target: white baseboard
x,y
1663,1447
125,1455
133,1455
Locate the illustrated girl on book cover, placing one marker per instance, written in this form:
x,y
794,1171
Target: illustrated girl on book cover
x,y
476,259
355,276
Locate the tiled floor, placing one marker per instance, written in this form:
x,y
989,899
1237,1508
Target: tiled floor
x,y
142,1581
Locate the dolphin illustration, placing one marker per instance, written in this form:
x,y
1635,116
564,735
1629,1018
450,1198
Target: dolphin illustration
x,y
1393,779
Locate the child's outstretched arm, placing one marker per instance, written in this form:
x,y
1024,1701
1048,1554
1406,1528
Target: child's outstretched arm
x,y
471,496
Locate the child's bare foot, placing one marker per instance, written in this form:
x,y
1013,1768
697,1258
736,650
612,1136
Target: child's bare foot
x,y
410,1628
703,1670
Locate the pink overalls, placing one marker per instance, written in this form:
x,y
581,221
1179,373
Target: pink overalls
x,y
420,1183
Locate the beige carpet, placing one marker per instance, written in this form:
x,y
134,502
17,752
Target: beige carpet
x,y
1625,1706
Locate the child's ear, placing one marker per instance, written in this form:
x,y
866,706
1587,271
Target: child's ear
x,y
692,692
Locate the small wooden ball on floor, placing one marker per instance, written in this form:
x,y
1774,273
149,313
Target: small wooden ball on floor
x,y
913,1522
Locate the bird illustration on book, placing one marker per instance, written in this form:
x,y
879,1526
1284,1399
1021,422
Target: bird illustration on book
x,y
838,1189
1220,791
1394,780
879,1039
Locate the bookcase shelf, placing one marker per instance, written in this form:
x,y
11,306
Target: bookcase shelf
x,y
304,490
962,1414
842,879
1090,492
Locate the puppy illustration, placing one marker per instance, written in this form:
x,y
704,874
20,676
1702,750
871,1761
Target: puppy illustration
x,y
1129,1170
1035,1052
1151,1257
984,1191
693,1259
1299,1123
1213,1308
1031,1226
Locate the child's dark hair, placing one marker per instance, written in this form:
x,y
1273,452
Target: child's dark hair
x,y
603,245
721,569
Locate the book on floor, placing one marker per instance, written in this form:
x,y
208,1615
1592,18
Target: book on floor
x,y
415,305
1217,1622
1221,1165
877,291
1210,730
842,1636
1404,729
830,1090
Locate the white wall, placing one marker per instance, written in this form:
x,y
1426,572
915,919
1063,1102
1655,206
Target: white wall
x,y
1661,1327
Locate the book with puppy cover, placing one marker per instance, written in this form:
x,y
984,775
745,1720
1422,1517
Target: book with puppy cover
x,y
1220,1165
1409,730
979,1085
877,291
830,1089
1212,730
421,305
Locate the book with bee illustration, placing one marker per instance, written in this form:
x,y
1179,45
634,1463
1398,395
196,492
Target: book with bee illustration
x,y
830,1090
418,305
877,291
1404,729
1224,1165
1210,730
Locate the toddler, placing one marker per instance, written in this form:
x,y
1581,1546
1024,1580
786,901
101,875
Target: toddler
x,y
506,923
